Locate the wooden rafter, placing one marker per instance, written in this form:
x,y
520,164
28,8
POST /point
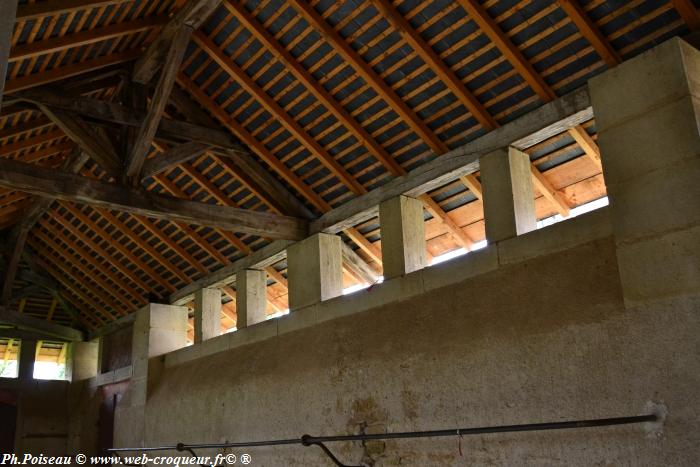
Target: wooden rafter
x,y
57,7
688,12
590,31
69,187
173,157
590,148
8,11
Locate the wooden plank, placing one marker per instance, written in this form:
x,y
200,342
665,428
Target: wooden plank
x,y
91,142
8,11
87,37
150,123
548,191
38,10
170,130
471,182
590,148
590,31
260,259
191,15
172,157
489,27
69,187
557,116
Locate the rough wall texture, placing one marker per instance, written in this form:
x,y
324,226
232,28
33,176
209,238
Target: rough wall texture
x,y
542,340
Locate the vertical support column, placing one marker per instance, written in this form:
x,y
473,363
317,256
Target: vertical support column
x,y
84,360
251,300
157,330
315,268
648,117
403,236
27,357
207,314
508,195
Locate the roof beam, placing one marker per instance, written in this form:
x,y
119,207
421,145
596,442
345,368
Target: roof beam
x,y
8,11
172,157
169,130
590,148
68,71
149,126
57,7
590,31
423,49
91,142
41,326
69,187
87,37
489,27
369,75
688,12
191,16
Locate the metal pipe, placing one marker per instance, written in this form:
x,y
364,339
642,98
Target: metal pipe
x,y
307,440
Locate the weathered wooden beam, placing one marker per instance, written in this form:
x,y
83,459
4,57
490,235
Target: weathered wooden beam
x,y
688,12
590,148
192,15
92,143
556,117
87,37
172,157
69,187
57,7
147,131
14,333
169,130
41,326
64,72
357,265
8,11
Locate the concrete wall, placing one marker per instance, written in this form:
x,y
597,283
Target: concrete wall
x,y
540,337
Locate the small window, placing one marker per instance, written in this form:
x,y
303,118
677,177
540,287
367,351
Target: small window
x,y
9,351
50,362
577,211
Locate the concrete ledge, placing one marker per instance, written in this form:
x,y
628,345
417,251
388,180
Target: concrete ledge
x,y
552,239
109,377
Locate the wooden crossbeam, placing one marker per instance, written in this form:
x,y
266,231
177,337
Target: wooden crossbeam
x,y
369,75
590,31
46,182
87,37
439,67
26,322
548,191
190,16
91,142
490,28
67,71
38,10
8,11
172,157
169,130
147,131
471,182
688,12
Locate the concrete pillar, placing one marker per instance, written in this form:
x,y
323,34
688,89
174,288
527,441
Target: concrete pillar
x,y
251,299
84,360
647,115
403,236
508,195
157,330
315,269
27,356
207,314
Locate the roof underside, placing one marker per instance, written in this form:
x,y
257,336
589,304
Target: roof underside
x,y
108,263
